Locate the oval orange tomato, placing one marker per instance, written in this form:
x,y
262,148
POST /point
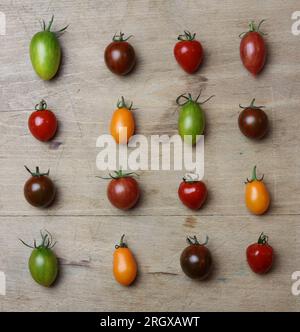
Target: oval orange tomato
x,y
122,123
124,264
257,196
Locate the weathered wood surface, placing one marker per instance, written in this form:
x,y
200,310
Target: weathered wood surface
x,y
84,95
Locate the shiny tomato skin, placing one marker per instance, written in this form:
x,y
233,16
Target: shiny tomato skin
x,y
253,123
192,194
42,125
196,261
124,266
257,197
120,57
189,55
260,257
123,193
253,52
122,118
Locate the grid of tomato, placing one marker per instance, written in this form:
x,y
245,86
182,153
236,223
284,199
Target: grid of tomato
x,y
123,189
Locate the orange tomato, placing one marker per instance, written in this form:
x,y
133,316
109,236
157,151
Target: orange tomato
x,y
124,264
256,195
122,123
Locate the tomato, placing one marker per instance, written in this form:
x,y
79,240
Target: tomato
x,y
253,121
119,55
124,264
253,50
191,122
122,123
42,123
192,193
43,264
188,52
39,189
45,52
256,195
123,190
195,259
260,255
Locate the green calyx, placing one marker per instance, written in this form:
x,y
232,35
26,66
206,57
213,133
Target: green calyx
x,y
120,37
253,28
118,174
41,106
187,36
122,243
47,241
192,240
187,98
251,105
122,104
48,27
37,172
189,179
263,239
254,176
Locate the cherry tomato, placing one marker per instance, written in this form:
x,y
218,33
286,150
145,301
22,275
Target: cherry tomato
x,y
191,121
124,264
256,195
195,259
43,264
188,52
42,122
192,193
260,255
120,55
123,190
122,123
253,121
253,50
39,189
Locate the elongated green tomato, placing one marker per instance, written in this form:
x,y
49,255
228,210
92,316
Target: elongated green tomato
x,y
42,263
191,122
45,52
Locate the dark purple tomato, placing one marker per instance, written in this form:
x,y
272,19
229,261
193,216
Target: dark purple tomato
x,y
253,121
195,259
39,189
119,55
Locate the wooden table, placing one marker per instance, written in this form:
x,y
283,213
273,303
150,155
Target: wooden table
x,y
84,95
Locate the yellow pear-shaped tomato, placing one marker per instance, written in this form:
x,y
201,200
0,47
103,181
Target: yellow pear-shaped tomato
x,y
257,197
124,264
122,123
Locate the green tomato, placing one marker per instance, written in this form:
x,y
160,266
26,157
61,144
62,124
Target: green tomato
x,y
45,52
43,264
191,120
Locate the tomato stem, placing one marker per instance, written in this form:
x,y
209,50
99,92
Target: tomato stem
x,y
120,37
118,174
122,104
187,36
251,105
37,172
253,28
192,240
263,239
41,106
47,241
122,244
188,98
254,176
189,179
50,25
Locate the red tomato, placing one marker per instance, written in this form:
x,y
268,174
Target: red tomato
x,y
253,49
42,123
123,190
260,255
188,52
192,193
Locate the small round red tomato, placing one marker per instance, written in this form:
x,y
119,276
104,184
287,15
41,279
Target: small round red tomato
x,y
253,50
260,255
188,52
192,193
123,190
42,122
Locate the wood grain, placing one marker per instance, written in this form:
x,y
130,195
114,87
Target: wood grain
x,y
84,95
